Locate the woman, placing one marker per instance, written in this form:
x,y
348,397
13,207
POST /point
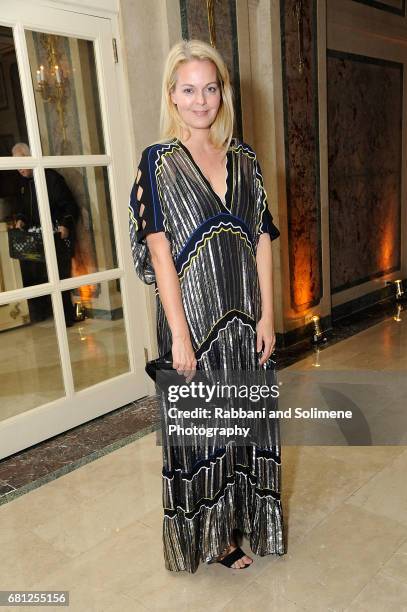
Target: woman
x,y
201,231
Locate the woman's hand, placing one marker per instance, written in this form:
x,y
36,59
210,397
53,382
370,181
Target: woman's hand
x,y
265,327
266,338
64,231
183,357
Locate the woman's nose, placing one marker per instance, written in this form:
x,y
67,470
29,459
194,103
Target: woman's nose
x,y
200,97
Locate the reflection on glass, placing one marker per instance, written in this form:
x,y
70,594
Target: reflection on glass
x,y
22,256
30,367
66,94
97,343
22,259
87,218
12,119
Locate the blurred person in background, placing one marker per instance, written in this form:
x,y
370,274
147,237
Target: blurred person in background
x,y
64,215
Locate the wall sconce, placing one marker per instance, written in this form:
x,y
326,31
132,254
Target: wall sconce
x,y
399,289
317,336
400,294
52,84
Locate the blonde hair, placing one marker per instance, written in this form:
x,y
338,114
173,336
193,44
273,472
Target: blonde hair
x,y
171,124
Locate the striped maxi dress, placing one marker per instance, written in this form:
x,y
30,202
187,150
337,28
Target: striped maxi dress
x,y
208,492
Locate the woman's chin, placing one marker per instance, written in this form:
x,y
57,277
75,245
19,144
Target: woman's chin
x,y
200,120
200,123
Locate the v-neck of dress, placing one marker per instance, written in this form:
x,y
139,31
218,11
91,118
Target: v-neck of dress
x,y
224,202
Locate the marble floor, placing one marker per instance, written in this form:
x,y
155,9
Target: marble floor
x,y
30,365
96,531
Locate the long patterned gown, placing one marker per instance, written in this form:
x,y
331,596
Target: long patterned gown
x,y
208,492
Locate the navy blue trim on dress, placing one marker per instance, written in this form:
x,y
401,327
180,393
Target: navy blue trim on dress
x,y
265,453
210,502
158,213
223,219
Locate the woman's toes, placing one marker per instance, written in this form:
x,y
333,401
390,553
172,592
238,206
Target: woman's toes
x,y
239,564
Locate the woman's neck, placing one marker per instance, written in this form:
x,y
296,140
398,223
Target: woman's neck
x,y
198,140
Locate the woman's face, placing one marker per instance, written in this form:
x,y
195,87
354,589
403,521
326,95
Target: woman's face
x,y
197,93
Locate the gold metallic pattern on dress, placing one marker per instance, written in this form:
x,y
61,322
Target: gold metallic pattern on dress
x,y
209,490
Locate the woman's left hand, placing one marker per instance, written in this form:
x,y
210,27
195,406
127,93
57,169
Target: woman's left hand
x,y
266,338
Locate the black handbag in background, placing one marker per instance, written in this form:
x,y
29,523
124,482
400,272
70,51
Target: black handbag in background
x,y
28,245
25,245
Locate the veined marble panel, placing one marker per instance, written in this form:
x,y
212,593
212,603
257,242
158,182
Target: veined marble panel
x,y
300,90
364,148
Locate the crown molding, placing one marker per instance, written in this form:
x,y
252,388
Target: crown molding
x,y
98,8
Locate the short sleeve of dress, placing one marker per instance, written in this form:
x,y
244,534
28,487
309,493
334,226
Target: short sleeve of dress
x,y
265,217
145,216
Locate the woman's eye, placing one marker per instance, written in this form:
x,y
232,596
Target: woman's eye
x,y
212,89
187,90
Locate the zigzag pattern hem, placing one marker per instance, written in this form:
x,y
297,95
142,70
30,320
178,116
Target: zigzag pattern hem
x,y
187,542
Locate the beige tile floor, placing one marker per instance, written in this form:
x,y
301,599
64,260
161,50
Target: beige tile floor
x,y
97,531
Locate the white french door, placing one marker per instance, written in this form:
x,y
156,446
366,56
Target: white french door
x,y
62,94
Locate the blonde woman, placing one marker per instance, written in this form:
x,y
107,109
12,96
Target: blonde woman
x,y
201,231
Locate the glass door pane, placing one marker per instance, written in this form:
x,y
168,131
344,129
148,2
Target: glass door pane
x,y
22,258
66,91
30,365
98,344
80,202
13,127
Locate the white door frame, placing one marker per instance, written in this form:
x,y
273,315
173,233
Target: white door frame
x,y
47,420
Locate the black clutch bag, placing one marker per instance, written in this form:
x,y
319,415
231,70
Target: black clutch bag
x,y
161,363
164,363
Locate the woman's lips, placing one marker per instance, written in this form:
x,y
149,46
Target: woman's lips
x,y
200,113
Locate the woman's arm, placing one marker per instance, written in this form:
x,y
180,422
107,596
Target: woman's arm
x,y
183,355
265,327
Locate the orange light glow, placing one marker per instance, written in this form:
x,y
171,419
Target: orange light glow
x,y
386,246
303,281
86,292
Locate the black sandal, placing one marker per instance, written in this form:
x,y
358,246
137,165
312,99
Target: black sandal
x,y
233,556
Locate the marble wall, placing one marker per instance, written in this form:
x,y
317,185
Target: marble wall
x,y
195,24
364,150
300,91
